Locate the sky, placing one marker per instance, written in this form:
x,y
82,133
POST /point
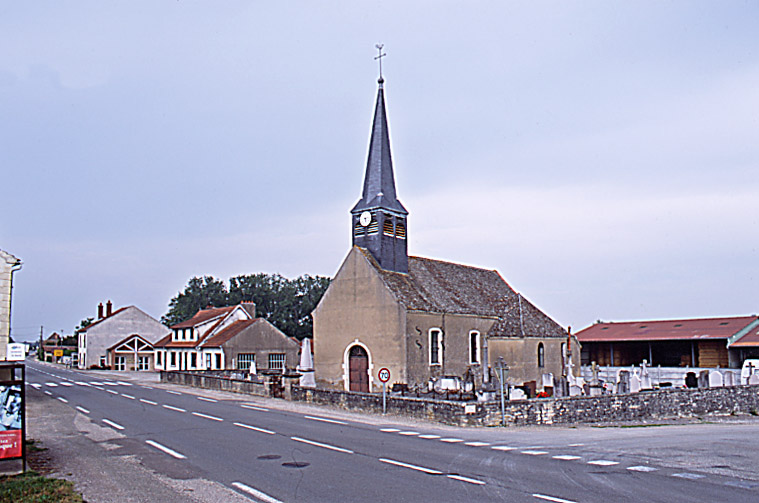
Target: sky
x,y
603,156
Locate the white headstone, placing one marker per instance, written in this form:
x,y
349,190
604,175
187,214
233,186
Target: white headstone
x,y
306,366
753,379
517,394
715,379
729,378
634,383
548,380
575,390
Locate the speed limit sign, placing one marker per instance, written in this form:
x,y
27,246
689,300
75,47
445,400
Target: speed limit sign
x,y
384,374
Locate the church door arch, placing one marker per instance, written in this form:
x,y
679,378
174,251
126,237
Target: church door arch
x,y
358,369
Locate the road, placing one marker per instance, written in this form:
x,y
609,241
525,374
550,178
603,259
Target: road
x,y
271,454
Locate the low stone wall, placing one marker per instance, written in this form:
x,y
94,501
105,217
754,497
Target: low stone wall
x,y
215,381
633,407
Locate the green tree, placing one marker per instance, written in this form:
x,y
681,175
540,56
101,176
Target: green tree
x,y
83,324
198,294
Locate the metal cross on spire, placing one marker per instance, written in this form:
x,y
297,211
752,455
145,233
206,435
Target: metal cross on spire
x,y
379,58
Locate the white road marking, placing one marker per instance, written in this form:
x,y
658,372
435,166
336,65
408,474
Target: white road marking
x,y
82,410
534,453
243,425
48,393
173,392
35,385
112,424
603,462
451,440
51,384
66,384
551,498
98,387
324,420
413,467
477,444
170,407
408,433
466,479
124,383
63,400
566,457
689,476
642,468
170,452
146,387
206,416
112,392
429,437
80,383
109,383
127,396
96,383
150,402
206,399
576,445
503,448
255,493
390,430
253,407
319,444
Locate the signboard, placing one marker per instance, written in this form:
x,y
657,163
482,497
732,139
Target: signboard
x,y
16,352
11,421
57,353
384,374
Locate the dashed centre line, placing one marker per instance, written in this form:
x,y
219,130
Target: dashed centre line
x,y
466,479
534,453
51,384
206,416
319,444
112,424
149,402
412,467
206,399
127,396
254,428
503,448
63,399
477,444
325,420
82,410
389,430
566,457
35,385
603,462
66,384
641,468
170,452
452,440
173,392
408,433
112,392
253,407
171,407
552,498
429,437
689,476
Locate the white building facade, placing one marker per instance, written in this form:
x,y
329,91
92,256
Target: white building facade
x,y
8,265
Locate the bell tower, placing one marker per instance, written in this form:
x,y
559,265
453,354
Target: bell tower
x,y
379,220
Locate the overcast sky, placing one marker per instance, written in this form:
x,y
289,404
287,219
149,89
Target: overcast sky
x,y
602,156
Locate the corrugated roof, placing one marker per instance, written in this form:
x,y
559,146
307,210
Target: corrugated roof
x,y
751,339
446,287
662,330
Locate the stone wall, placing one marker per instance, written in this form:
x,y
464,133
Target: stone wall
x,y
216,381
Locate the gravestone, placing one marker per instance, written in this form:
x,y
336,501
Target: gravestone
x,y
703,379
575,390
691,381
715,379
517,394
634,383
753,379
645,378
729,378
623,381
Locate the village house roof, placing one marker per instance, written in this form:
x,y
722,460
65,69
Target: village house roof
x,y
437,286
228,333
667,330
101,320
203,315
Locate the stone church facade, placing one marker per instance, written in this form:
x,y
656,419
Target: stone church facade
x,y
420,318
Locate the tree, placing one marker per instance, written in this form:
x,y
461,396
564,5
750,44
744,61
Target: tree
x,y
285,303
83,324
198,294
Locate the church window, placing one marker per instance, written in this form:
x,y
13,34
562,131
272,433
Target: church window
x,y
436,346
474,347
387,227
373,227
400,230
541,356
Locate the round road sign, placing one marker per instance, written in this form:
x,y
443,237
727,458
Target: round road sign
x,y
384,375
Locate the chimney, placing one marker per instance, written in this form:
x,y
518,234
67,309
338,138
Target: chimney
x,y
100,311
108,309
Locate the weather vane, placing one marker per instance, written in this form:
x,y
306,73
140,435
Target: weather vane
x,y
380,56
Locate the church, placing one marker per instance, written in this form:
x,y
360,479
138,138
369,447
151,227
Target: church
x,y
418,317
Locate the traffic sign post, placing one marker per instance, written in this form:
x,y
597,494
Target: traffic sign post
x,y
384,377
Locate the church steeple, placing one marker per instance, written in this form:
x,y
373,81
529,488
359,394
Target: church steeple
x,y
379,218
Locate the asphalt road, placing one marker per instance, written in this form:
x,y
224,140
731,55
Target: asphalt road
x,y
270,453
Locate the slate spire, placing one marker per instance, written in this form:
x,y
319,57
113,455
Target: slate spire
x,y
379,218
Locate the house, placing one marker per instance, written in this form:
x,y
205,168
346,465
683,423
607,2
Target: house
x,y
225,338
8,265
56,346
121,339
699,342
418,317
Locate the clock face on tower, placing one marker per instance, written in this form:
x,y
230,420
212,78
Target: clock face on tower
x,y
365,218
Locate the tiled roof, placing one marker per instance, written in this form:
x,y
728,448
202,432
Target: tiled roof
x,y
446,287
663,330
163,342
202,316
227,333
751,339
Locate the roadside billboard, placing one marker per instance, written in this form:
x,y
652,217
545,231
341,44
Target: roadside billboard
x,y
11,421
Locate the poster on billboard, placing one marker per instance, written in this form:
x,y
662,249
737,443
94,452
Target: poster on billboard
x,y
11,420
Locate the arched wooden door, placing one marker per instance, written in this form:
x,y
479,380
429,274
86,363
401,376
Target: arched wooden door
x,y
358,365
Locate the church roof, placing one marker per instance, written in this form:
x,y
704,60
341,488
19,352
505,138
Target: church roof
x,y
379,180
437,286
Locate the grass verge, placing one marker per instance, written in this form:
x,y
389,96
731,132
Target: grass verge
x,y
31,487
